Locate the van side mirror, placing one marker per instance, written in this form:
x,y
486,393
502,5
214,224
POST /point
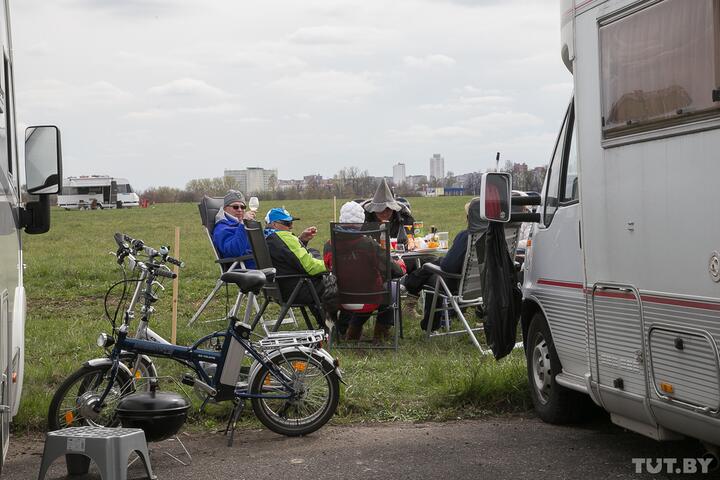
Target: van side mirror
x,y
43,160
43,175
495,197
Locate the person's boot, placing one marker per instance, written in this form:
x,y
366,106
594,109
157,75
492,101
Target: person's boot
x,y
381,333
354,332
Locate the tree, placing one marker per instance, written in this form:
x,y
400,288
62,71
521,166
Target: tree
x,y
162,194
272,182
213,187
472,183
449,179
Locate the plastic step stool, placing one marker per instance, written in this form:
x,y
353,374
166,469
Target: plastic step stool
x,y
109,448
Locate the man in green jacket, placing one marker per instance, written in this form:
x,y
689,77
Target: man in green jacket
x,y
290,255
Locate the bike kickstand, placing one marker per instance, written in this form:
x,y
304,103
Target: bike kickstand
x,y
232,421
204,404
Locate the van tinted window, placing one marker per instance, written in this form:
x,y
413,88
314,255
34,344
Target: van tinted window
x,y
660,66
552,187
570,171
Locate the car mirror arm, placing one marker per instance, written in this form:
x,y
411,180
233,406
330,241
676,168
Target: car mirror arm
x,y
35,215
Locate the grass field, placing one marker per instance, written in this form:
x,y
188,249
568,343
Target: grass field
x,y
69,270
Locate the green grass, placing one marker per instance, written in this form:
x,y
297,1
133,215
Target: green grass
x,y
69,270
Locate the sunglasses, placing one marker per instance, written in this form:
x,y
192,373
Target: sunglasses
x,y
238,207
287,223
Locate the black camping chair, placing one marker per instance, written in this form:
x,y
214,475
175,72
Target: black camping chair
x,y
273,292
469,291
209,208
362,267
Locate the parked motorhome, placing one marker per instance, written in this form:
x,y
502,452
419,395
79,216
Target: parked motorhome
x,y
97,191
42,178
622,281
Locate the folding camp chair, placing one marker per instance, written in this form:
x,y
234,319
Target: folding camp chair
x,y
362,266
470,283
273,292
209,208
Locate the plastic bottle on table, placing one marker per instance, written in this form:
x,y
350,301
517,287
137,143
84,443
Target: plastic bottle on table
x,y
434,241
410,238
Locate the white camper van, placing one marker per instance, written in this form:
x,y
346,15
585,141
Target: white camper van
x,y
97,191
622,280
42,178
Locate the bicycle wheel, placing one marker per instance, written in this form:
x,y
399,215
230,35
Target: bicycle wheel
x,y
73,402
317,393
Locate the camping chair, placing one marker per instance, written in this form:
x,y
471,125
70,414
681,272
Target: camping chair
x,y
209,208
272,291
363,272
470,284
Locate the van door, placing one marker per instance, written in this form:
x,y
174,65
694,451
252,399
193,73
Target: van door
x,y
555,274
113,193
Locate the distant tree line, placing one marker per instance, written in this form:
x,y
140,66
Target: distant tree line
x,y
350,182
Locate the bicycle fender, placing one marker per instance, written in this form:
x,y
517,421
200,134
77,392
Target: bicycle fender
x,y
106,361
147,361
330,362
319,353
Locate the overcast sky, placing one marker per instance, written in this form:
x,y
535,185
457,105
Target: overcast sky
x,y
164,91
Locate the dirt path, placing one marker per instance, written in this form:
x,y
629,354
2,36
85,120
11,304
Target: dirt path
x,y
514,448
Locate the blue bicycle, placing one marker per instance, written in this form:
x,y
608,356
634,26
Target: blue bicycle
x,y
292,382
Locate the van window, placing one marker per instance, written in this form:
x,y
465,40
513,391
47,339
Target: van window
x,y
660,66
570,170
552,186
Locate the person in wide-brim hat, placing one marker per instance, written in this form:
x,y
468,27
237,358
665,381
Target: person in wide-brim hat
x,y
384,208
383,199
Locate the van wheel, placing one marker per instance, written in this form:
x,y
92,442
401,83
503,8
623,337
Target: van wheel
x,y
553,402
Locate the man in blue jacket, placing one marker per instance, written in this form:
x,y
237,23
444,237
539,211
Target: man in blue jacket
x,y
229,235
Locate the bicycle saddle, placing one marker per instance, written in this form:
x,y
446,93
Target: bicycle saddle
x,y
247,281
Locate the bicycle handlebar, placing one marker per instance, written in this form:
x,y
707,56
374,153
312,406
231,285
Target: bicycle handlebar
x,y
160,272
130,246
174,261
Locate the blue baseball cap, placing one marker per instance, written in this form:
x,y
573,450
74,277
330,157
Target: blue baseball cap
x,y
279,214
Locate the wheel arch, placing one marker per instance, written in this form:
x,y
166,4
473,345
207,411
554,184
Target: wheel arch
x,y
530,306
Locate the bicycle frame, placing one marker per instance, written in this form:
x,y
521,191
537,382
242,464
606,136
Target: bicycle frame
x,y
192,356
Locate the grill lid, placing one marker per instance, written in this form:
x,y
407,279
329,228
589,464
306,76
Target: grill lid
x,y
153,403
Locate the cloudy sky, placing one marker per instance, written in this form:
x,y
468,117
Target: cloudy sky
x,y
164,91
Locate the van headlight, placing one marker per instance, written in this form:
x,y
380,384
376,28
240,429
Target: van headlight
x,y
104,340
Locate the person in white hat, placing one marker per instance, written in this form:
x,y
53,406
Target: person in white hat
x,y
352,317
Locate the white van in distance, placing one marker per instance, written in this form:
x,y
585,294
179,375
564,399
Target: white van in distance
x,y
97,191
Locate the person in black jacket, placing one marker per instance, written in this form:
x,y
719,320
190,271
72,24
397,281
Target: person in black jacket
x,y
452,262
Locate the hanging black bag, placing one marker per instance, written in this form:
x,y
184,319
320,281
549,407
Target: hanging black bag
x,y
502,297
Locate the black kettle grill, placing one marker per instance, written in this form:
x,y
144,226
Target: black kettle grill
x,y
159,414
